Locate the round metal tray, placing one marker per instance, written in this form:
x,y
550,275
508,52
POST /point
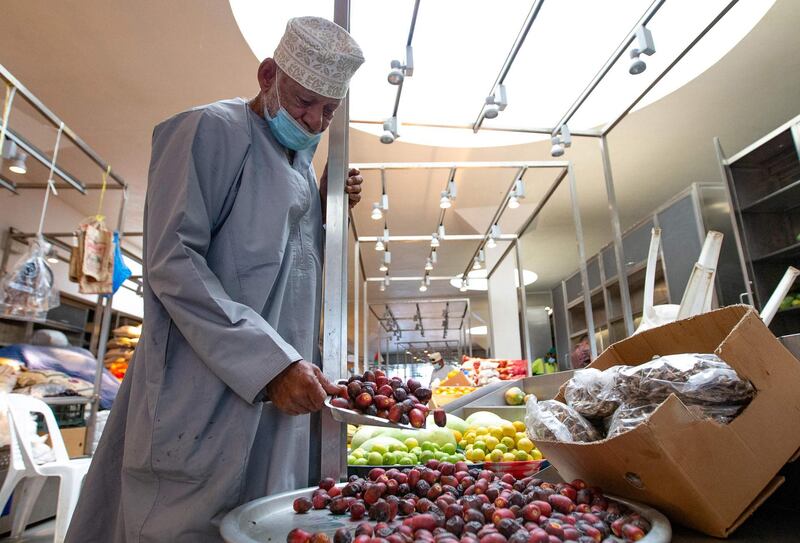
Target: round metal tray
x,y
270,519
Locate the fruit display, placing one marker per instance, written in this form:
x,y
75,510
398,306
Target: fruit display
x,y
482,371
454,391
791,301
490,438
375,394
452,503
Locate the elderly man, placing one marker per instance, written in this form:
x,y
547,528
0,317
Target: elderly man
x,y
214,408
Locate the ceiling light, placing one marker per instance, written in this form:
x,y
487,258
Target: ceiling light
x,y
399,71
18,163
434,240
491,243
387,259
646,47
464,285
383,267
494,233
441,231
477,279
434,256
428,264
513,202
379,246
383,287
52,256
494,104
377,213
476,264
423,287
389,130
386,280
560,142
444,202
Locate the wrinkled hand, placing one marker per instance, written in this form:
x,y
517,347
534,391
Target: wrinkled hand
x,y
352,186
301,388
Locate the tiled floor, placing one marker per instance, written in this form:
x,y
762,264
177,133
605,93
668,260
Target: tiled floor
x,y
40,533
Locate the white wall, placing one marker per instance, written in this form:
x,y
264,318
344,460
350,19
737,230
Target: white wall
x,y
504,311
22,212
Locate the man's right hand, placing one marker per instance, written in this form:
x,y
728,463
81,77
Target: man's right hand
x,y
301,388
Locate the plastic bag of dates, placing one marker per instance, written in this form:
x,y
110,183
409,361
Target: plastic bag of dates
x,y
627,417
450,503
555,421
593,393
694,378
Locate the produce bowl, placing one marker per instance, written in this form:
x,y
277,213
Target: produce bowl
x,y
363,471
272,518
519,470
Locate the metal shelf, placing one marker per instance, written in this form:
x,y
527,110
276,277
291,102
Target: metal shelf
x,y
781,254
783,199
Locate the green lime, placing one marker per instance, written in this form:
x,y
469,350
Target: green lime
x,y
462,445
406,461
361,462
398,447
416,451
389,459
359,453
351,460
428,446
379,448
440,456
414,458
449,448
374,459
411,443
453,458
425,456
502,447
479,445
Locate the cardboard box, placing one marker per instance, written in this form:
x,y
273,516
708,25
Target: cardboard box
x,y
704,475
74,440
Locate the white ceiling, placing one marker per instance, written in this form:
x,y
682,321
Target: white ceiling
x,y
113,70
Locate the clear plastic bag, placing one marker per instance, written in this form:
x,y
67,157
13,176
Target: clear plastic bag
x,y
694,378
627,417
27,291
592,392
555,421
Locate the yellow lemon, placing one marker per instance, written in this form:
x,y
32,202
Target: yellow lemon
x,y
519,426
508,429
520,435
525,444
469,438
482,431
468,454
521,456
509,457
480,445
478,455
491,442
509,442
502,447
496,432
463,444
536,454
496,456
457,435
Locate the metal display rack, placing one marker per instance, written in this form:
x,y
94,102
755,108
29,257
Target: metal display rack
x,y
104,302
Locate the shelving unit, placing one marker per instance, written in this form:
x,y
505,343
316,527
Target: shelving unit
x,y
684,221
763,181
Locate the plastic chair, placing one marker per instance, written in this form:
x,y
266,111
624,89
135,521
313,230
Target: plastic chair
x,y
654,315
773,304
23,466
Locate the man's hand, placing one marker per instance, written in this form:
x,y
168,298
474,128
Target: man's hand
x,y
352,186
301,388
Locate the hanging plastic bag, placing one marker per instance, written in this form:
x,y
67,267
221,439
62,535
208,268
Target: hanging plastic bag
x,y
121,271
97,262
27,291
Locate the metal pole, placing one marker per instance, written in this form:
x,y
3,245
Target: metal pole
x,y
366,331
587,295
332,460
523,308
91,424
616,232
460,165
527,130
469,327
356,307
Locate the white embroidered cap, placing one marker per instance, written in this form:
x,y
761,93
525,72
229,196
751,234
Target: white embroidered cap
x,y
319,54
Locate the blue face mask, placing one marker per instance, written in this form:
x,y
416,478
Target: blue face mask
x,y
287,130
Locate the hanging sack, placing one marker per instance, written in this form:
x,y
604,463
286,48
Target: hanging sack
x,y
27,291
97,262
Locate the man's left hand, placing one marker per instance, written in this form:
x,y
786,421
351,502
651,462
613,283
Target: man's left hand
x,y
352,186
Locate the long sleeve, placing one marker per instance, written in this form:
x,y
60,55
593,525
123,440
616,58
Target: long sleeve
x,y
196,159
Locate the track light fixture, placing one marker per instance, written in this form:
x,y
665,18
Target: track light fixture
x,y
386,280
494,233
495,103
423,287
17,157
428,264
389,130
387,259
464,285
517,194
646,46
434,240
434,256
560,141
400,71
383,287
441,231
379,246
445,202
377,212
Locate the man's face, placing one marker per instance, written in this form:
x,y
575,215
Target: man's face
x,y
311,110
